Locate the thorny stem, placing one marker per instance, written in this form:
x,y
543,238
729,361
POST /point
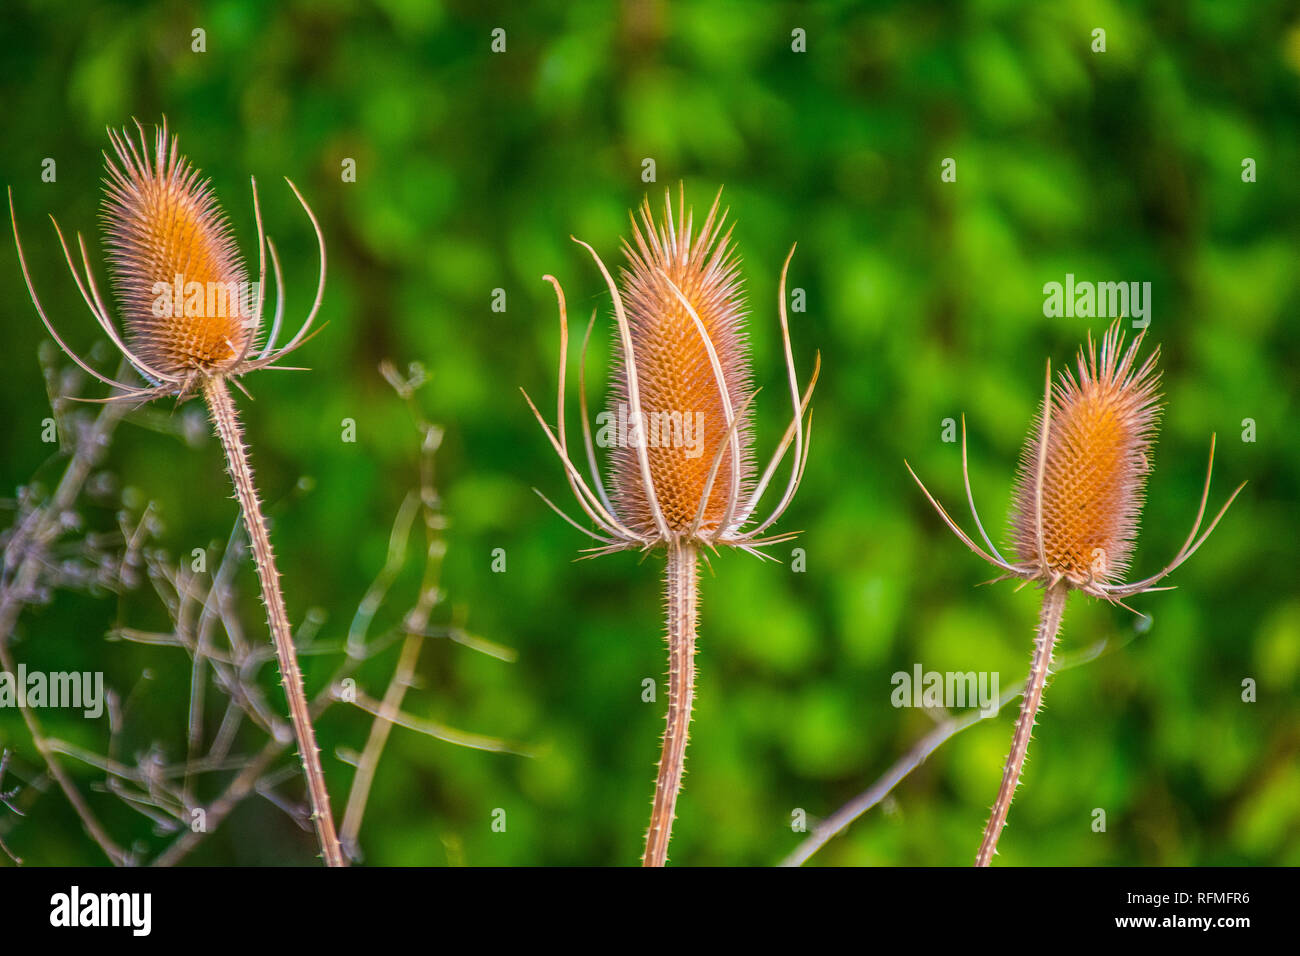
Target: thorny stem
x,y
1049,626
226,422
682,587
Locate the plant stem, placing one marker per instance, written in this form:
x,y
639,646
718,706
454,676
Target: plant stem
x,y
682,588
1049,625
368,764
226,422
31,546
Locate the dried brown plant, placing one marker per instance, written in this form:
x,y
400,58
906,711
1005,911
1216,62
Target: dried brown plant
x,y
682,351
166,231
1077,503
50,549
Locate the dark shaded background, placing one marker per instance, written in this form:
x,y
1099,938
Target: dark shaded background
x,y
924,297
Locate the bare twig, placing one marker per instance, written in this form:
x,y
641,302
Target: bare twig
x,y
415,626
840,820
27,549
6,800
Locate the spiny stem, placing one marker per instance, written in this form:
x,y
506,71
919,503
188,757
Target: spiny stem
x,y
1049,625
682,589
226,422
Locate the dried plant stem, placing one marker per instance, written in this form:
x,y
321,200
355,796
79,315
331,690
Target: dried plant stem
x,y
244,783
31,546
683,589
1049,625
368,764
217,811
226,422
839,821
88,819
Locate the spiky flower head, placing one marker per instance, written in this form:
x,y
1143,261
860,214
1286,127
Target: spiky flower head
x,y
678,425
190,313
686,312
1082,475
1094,470
177,271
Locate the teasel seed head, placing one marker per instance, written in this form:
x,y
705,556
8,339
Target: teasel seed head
x,y
1083,472
189,311
1098,456
674,278
683,470
165,231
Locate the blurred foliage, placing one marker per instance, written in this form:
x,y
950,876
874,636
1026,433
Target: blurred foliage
x,y
925,298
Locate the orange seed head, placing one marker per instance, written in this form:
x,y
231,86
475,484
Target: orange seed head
x,y
1102,430
682,409
176,269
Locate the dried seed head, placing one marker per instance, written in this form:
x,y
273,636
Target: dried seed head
x,y
178,274
1099,443
683,414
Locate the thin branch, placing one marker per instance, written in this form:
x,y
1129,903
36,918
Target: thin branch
x,y
841,819
30,543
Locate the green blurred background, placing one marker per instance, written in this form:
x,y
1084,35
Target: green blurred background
x,y
924,297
